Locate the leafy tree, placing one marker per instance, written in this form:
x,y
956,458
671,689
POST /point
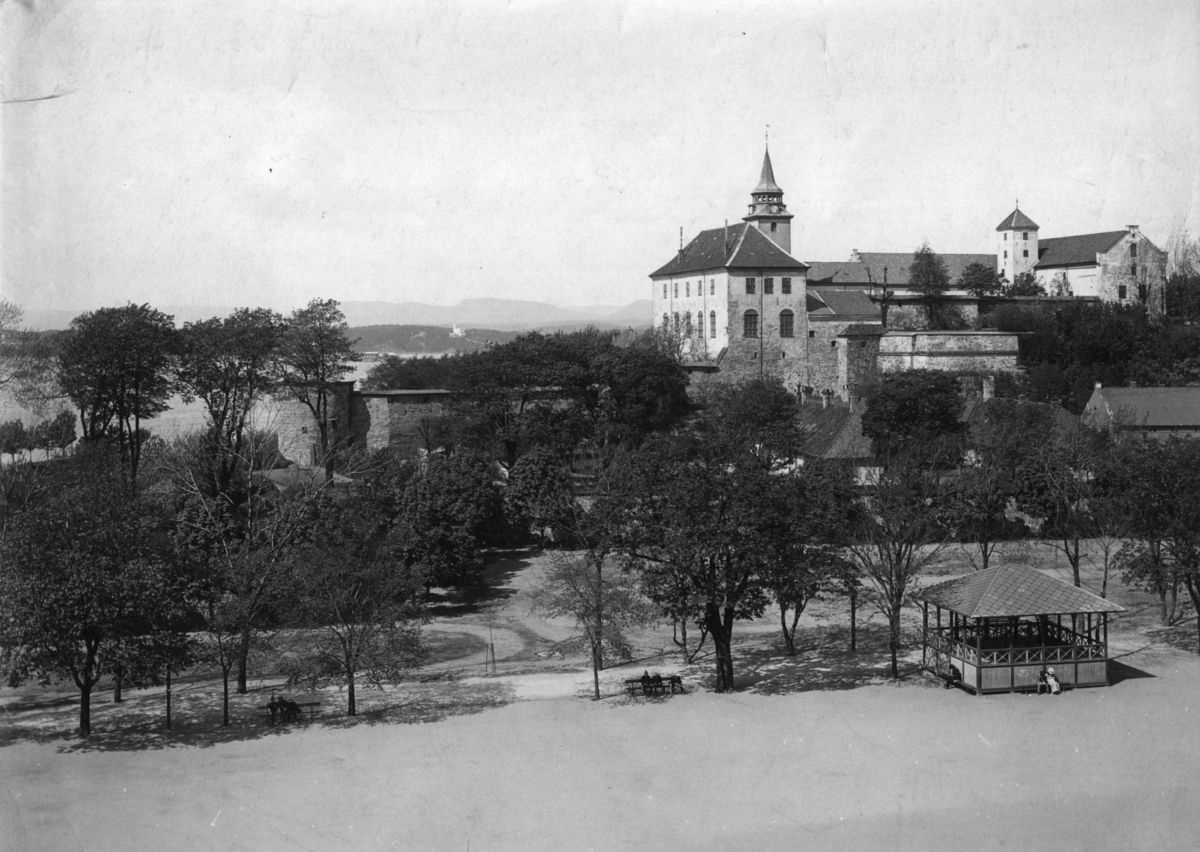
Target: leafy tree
x,y
356,609
698,519
540,494
799,568
927,276
911,405
900,526
759,415
1025,284
449,511
229,364
980,280
84,585
604,602
315,354
12,437
116,364
396,373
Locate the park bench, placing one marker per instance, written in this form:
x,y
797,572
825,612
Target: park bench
x,y
634,685
271,717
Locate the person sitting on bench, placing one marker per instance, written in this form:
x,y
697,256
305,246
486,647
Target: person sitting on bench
x,y
1043,682
645,682
273,708
1052,682
656,682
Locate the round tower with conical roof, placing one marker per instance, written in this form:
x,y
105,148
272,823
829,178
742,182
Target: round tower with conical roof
x,y
768,213
1016,244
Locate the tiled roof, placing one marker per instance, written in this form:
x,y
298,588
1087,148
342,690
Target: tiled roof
x,y
1067,251
1153,407
833,432
870,271
863,329
766,181
977,412
842,303
1012,590
1015,221
746,247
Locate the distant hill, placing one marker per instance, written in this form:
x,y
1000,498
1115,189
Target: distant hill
x,y
420,339
497,314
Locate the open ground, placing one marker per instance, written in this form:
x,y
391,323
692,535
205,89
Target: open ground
x,y
820,751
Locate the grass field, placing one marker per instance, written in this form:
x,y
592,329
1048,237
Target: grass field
x,y
820,751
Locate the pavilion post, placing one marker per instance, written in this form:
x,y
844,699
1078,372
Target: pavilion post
x,y
925,634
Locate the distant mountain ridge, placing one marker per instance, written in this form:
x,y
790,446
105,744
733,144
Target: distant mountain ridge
x,y
505,314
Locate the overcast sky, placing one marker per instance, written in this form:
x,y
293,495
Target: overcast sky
x,y
238,152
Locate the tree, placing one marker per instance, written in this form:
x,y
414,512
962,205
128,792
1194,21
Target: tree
x,y
900,526
799,568
449,510
759,415
354,606
980,280
84,585
419,373
229,364
116,366
540,494
927,276
1025,284
315,354
698,521
604,601
911,405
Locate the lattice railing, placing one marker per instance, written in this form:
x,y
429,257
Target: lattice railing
x,y
1022,656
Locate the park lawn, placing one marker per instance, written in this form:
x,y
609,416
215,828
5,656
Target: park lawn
x,y
817,752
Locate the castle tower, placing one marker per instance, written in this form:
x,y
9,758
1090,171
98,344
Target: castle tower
x,y
1016,244
768,213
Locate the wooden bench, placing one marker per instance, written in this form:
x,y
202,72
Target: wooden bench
x,y
634,685
271,717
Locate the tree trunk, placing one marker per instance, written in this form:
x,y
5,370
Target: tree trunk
x,y
722,634
351,706
225,700
1162,605
894,640
596,670
243,659
85,710
853,619
118,677
168,698
789,637
1073,558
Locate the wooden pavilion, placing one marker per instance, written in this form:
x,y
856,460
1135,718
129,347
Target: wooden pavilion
x,y
995,630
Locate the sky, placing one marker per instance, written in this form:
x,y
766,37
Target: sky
x,y
246,152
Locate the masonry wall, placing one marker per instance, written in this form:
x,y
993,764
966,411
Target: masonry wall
x,y
704,292
858,362
948,350
768,354
824,369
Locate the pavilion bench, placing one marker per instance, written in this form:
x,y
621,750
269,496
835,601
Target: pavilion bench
x,y
271,717
634,685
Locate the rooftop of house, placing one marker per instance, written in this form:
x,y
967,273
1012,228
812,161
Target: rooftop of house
x,y
833,431
1076,250
1016,221
1148,407
872,268
738,246
842,304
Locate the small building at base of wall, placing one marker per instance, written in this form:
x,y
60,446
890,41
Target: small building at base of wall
x,y
977,351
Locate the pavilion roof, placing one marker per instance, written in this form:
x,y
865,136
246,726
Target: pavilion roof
x,y
1012,590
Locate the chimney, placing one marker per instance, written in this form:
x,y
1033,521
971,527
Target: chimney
x,y
854,258
1099,386
825,394
1133,229
989,387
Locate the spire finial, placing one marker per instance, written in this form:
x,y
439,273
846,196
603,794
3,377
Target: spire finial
x,y
767,135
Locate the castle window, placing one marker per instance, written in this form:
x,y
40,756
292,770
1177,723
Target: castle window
x,y
675,289
1133,249
1006,236
712,324
1133,269
1122,291
677,323
812,333
687,325
786,287
712,287
664,289
1024,235
1025,252
687,288
750,324
1143,292
1006,254
749,286
786,321
773,224
666,322
699,324
768,286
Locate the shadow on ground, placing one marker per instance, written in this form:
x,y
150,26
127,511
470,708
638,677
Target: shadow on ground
x,y
1180,636
1118,671
196,723
488,587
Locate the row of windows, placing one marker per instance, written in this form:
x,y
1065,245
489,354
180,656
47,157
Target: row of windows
x,y
1024,253
687,288
768,285
683,325
787,324
1024,235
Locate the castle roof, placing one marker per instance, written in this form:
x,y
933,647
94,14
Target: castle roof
x,y
1013,590
1071,251
842,304
766,181
741,245
1016,221
868,271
